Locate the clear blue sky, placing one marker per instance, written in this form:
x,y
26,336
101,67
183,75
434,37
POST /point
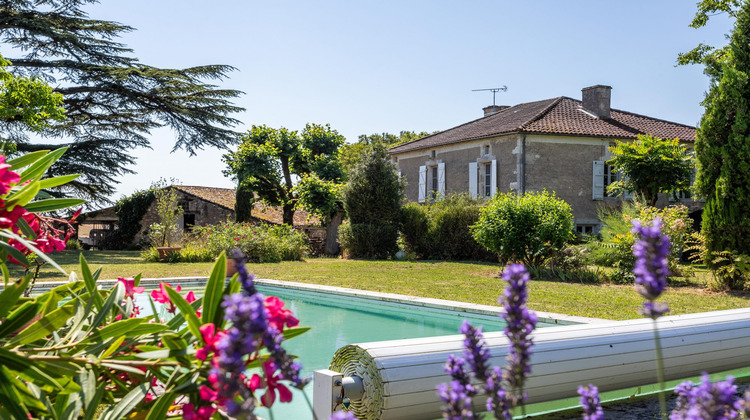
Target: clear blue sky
x,y
385,66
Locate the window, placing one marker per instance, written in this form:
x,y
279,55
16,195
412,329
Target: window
x,y
585,229
433,154
604,175
610,176
434,185
486,149
487,179
188,221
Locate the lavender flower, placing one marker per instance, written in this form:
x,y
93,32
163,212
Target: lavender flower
x,y
457,399
475,350
520,323
592,409
707,401
651,270
497,402
455,367
245,278
342,415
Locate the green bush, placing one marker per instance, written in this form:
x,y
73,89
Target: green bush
x,y
442,230
259,243
368,241
372,200
528,228
73,245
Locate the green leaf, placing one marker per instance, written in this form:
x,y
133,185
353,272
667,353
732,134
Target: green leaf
x,y
163,354
90,282
52,204
186,310
161,406
10,295
115,329
26,160
93,405
127,403
15,253
23,196
293,332
116,295
37,169
212,294
25,366
9,397
124,368
32,247
45,326
26,229
57,181
18,318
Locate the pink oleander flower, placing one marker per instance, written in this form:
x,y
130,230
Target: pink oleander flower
x,y
161,296
210,336
7,177
130,288
277,315
203,413
271,383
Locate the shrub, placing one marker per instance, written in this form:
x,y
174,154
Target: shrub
x,y
442,230
130,211
372,200
527,228
367,240
73,245
615,248
260,243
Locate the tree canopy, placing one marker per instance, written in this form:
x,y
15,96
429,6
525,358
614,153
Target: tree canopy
x,y
111,100
351,154
722,145
269,162
650,166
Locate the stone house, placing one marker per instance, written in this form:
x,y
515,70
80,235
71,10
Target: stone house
x,y
559,144
201,206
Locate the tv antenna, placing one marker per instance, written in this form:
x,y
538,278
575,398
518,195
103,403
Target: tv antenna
x,y
494,91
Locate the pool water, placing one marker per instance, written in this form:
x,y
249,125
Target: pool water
x,y
339,320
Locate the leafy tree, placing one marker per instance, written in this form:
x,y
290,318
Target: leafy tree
x,y
372,199
112,101
323,199
169,212
268,162
651,166
28,100
351,154
722,145
526,229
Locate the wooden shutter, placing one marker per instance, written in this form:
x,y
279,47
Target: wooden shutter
x,y
422,183
598,182
441,179
473,185
493,178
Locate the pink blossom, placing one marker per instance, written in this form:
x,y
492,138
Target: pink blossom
x,y
208,394
7,177
277,315
203,413
271,384
161,296
210,336
130,287
190,297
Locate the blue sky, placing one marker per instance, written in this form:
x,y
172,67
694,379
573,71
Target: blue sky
x,y
385,66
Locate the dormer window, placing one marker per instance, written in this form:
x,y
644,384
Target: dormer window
x,y
433,154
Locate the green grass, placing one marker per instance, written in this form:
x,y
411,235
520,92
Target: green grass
x,y
468,282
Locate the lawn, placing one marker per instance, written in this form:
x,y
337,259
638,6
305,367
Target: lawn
x,y
468,282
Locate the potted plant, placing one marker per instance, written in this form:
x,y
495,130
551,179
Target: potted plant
x,y
165,234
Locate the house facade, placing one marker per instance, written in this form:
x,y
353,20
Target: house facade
x,y
559,144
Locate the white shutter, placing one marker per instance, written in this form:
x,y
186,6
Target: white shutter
x,y
473,179
598,186
493,178
441,179
399,174
422,183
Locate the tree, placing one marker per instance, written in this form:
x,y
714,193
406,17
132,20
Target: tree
x,y
372,199
323,199
722,145
268,161
650,166
112,101
169,212
351,154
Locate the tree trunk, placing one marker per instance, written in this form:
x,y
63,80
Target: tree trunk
x,y
288,214
332,233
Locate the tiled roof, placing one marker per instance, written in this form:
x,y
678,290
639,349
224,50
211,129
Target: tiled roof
x,y
226,197
556,116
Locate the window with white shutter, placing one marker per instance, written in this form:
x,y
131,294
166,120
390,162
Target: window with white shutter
x,y
493,178
441,179
422,183
473,185
598,181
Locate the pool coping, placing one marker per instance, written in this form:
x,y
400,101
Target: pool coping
x,y
450,305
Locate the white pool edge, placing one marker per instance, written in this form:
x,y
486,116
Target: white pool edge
x,y
449,305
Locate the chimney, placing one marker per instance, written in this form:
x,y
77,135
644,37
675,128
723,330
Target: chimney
x,y
596,100
489,110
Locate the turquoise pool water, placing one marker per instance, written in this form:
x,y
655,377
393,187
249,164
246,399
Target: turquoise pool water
x,y
337,321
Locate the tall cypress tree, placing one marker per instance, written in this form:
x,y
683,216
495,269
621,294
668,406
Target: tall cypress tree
x,y
112,101
722,144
